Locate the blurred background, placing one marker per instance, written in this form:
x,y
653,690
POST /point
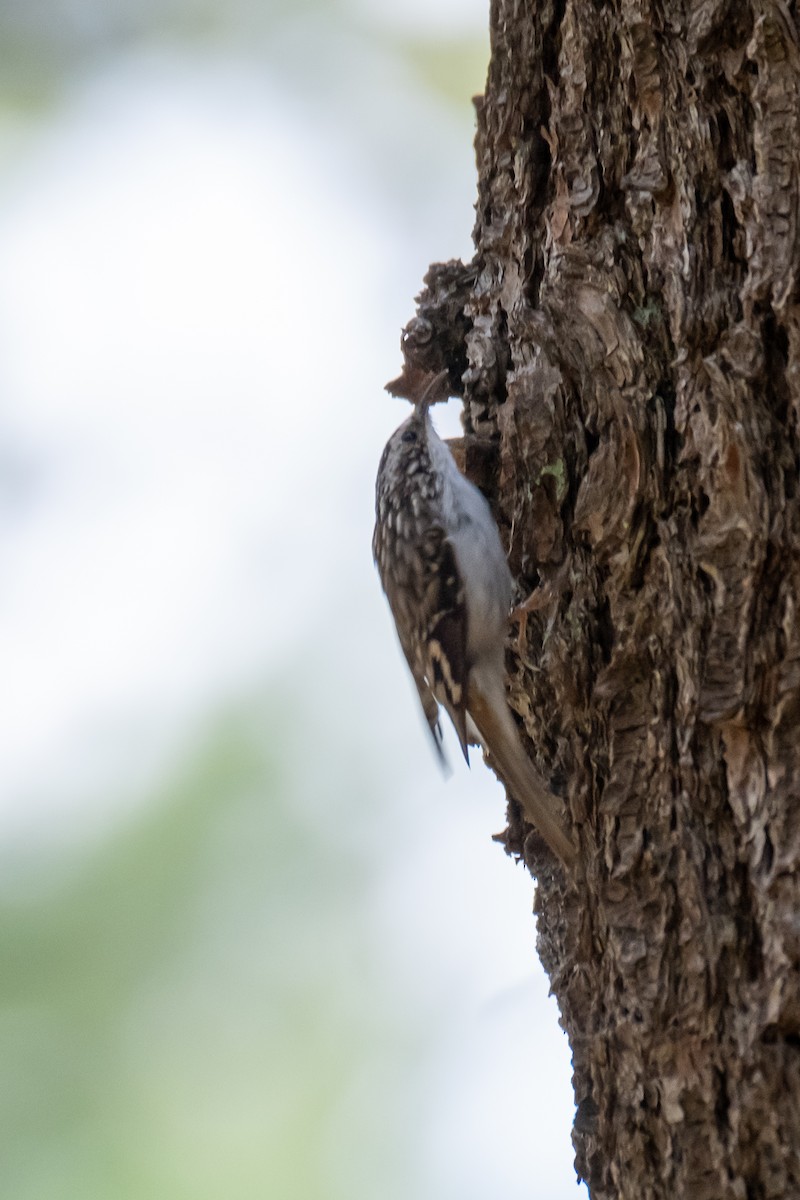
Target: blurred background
x,y
252,943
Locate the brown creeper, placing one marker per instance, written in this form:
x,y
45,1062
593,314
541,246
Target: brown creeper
x,y
446,578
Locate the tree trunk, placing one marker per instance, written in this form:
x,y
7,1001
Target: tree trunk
x,y
627,342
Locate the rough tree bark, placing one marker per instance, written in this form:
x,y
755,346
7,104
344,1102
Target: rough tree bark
x,y
627,343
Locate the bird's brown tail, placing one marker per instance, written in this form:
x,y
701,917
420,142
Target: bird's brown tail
x,y
499,735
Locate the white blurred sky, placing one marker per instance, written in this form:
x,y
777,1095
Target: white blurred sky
x,y
202,291
198,308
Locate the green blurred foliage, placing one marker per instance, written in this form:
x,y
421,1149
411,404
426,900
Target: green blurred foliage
x,y
45,46
453,68
186,1012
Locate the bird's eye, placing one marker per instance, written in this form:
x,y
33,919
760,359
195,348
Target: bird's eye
x,y
410,435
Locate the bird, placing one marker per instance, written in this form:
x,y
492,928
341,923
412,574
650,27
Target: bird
x,y
445,574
